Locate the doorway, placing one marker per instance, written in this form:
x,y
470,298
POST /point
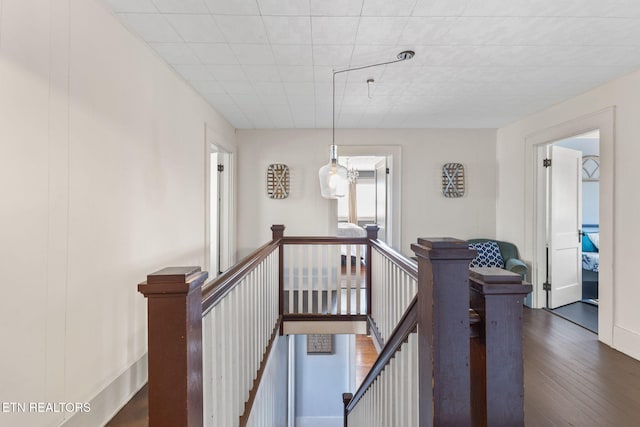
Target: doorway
x,y
366,200
534,226
392,176
571,227
534,191
219,209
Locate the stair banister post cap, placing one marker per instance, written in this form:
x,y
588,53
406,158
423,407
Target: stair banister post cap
x,y
443,248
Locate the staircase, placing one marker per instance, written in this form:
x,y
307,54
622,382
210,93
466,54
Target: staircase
x,y
450,336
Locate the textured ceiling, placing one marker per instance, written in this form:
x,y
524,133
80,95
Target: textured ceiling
x,y
478,63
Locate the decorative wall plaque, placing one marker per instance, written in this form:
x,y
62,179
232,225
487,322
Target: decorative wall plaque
x,y
319,344
590,168
278,181
453,180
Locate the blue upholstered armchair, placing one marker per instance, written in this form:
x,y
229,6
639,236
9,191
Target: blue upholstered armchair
x,y
509,253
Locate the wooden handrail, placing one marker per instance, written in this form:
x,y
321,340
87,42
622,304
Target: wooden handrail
x,y
400,334
324,240
216,289
406,264
318,317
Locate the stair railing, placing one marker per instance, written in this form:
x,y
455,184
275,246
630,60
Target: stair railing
x,y
230,323
418,313
432,368
423,375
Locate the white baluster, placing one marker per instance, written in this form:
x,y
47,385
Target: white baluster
x,y
300,277
359,309
331,284
207,368
336,257
289,286
318,279
235,364
311,268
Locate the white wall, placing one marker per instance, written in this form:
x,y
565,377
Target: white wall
x,y
320,381
425,211
513,221
102,181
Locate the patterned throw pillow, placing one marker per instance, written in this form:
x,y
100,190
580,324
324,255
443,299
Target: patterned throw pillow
x,y
488,255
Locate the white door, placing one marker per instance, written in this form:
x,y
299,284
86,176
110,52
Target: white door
x,y
381,199
565,219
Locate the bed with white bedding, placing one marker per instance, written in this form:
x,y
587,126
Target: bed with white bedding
x,y
590,261
347,229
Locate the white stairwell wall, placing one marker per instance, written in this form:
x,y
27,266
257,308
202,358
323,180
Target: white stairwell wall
x,y
320,381
102,179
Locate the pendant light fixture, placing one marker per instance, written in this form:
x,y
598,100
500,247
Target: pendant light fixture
x,y
334,179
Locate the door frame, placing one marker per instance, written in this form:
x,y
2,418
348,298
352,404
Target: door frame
x,y
226,220
387,197
535,227
393,153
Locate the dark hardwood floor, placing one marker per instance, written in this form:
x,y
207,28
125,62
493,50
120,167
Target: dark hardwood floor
x,y
571,379
135,413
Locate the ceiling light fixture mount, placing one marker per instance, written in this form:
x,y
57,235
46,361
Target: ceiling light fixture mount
x,y
333,176
406,54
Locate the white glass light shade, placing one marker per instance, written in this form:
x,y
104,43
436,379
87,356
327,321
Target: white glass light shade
x,y
333,180
333,177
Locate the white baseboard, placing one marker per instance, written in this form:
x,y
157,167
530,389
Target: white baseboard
x,y
626,341
319,422
112,398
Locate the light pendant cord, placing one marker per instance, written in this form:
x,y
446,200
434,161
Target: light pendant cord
x,y
402,56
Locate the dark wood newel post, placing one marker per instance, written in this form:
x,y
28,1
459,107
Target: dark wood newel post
x,y
496,358
277,231
174,300
346,398
372,234
443,331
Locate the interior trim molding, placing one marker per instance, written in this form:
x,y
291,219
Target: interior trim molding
x,y
604,121
106,404
319,422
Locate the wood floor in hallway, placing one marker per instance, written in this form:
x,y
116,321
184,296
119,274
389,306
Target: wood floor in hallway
x,y
571,379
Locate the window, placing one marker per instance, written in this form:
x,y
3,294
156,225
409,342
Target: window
x,y
365,199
